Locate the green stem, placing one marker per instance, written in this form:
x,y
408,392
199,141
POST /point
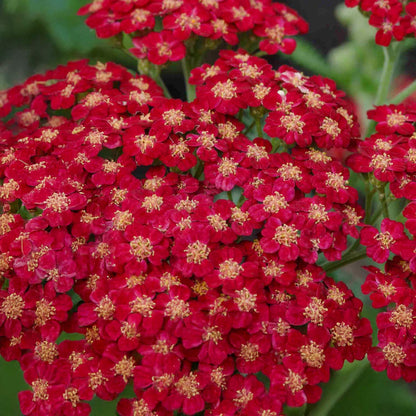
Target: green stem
x,y
147,68
379,211
260,53
249,127
199,170
241,200
259,127
352,248
127,53
162,84
294,411
369,193
383,201
276,143
374,218
402,95
391,55
340,384
186,69
332,266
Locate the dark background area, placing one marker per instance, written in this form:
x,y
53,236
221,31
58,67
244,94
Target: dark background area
x,y
39,34
325,32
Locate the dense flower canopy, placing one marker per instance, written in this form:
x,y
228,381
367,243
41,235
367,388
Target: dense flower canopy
x,y
182,247
106,233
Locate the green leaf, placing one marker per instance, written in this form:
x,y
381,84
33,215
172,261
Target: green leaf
x,y
310,58
68,31
127,42
11,382
105,408
294,411
340,383
375,395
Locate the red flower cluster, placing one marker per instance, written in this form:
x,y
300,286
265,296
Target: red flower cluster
x,y
392,18
395,288
215,20
114,227
300,110
390,153
389,156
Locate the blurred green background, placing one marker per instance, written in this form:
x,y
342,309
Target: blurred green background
x,y
36,35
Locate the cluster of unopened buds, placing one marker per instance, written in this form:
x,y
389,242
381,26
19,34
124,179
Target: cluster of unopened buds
x,y
182,247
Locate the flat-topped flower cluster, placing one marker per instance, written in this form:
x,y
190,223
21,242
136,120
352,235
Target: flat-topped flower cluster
x,y
160,28
182,248
115,227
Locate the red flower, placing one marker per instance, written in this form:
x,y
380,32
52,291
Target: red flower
x,y
186,393
209,335
48,385
315,351
402,316
128,407
170,116
230,270
145,244
393,119
289,384
16,305
390,238
395,352
333,183
216,219
191,253
138,19
408,21
281,238
244,391
276,201
57,201
187,20
384,288
159,47
296,126
99,376
227,172
252,351
275,32
388,27
179,154
350,334
222,94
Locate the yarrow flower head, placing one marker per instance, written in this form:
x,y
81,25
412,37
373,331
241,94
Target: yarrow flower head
x,y
121,202
187,245
210,21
